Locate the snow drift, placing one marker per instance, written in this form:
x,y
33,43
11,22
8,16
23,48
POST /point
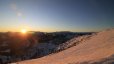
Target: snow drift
x,y
98,48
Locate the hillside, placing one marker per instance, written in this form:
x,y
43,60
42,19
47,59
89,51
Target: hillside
x,y
98,49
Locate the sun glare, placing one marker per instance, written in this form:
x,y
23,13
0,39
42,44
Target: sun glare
x,y
23,31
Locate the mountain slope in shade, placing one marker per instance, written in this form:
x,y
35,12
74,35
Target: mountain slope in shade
x,y
97,48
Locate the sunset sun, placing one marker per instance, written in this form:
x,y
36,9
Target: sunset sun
x,y
23,31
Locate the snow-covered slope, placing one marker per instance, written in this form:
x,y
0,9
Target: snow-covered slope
x,y
73,42
99,46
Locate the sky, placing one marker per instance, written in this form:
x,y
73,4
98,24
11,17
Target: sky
x,y
56,15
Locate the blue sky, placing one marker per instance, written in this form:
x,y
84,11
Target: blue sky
x,y
56,15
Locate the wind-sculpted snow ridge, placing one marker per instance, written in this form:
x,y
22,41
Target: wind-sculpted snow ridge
x,y
98,48
73,42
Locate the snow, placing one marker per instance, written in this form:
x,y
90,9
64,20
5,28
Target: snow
x,y
96,47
